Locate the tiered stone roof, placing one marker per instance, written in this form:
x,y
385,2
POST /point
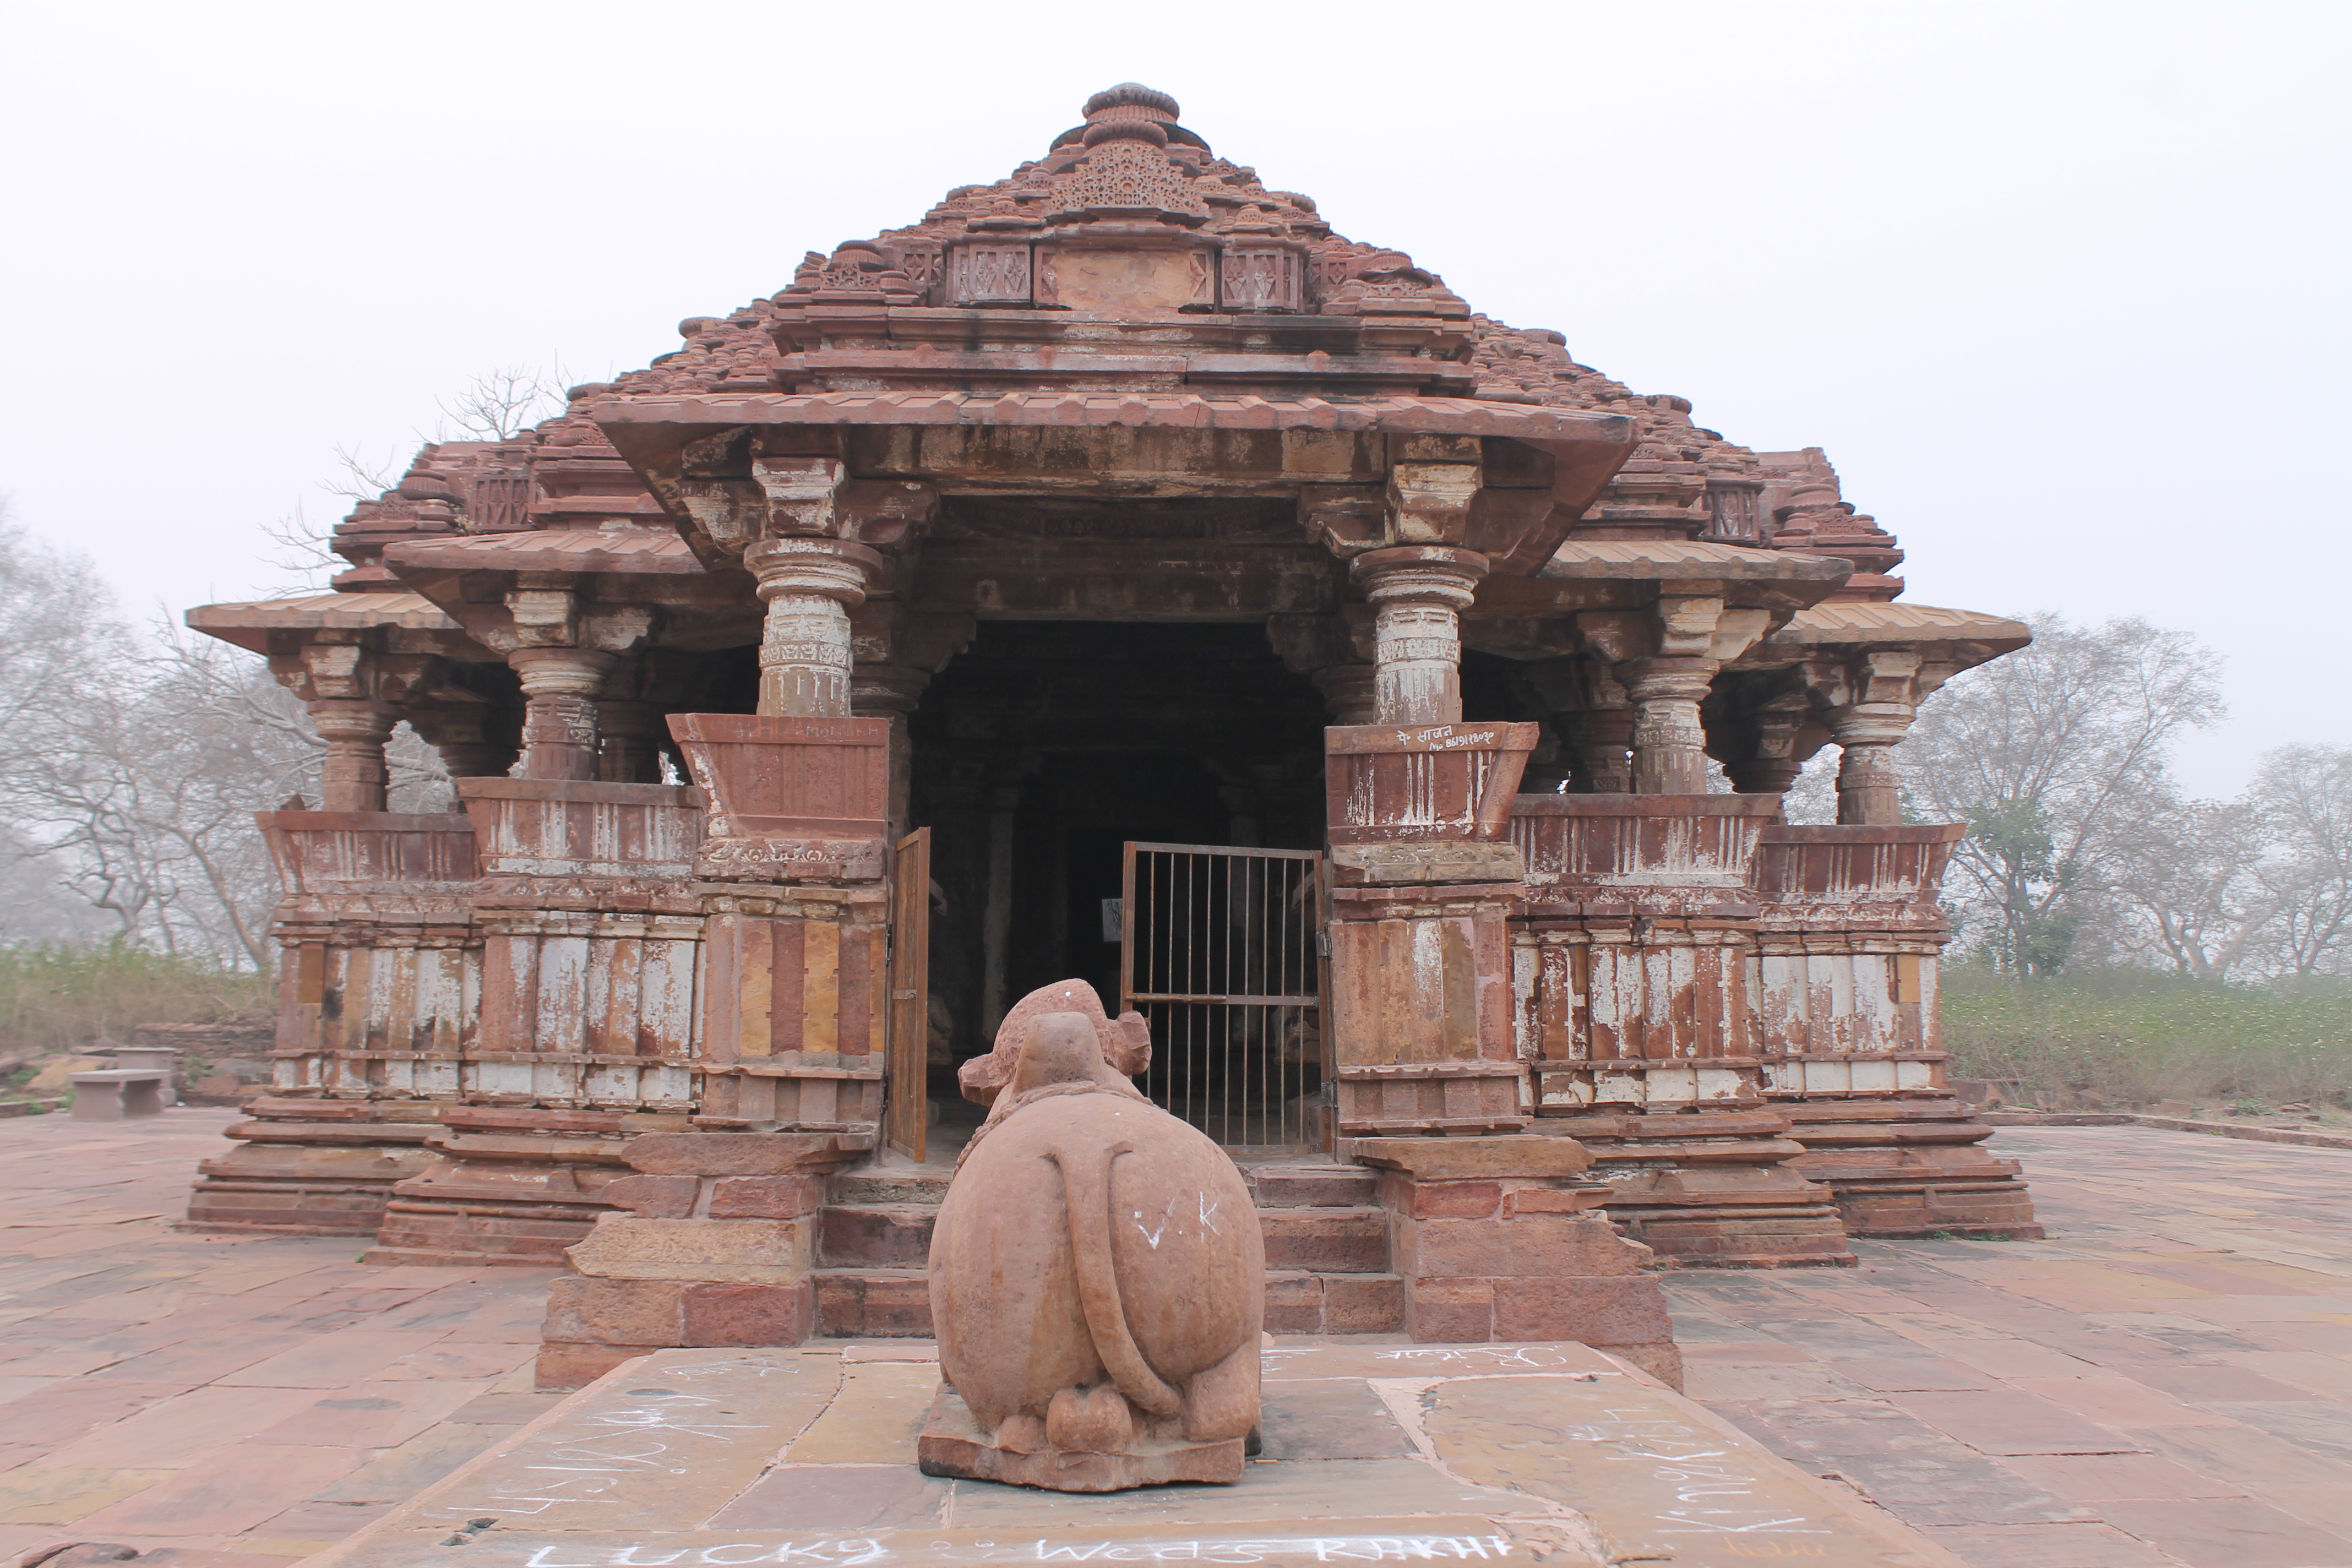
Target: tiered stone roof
x,y
1132,165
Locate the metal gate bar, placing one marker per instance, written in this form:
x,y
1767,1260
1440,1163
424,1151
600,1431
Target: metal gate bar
x,y
1218,950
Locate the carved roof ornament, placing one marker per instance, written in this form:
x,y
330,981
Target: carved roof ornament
x,y
1127,169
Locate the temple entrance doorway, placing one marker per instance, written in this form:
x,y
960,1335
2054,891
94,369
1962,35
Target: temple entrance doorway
x,y
1045,749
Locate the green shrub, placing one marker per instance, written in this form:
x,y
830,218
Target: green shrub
x,y
58,998
2136,1036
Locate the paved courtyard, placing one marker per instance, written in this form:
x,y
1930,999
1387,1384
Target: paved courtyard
x,y
2167,1382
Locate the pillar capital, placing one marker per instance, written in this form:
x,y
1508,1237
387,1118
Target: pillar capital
x,y
835,569
1434,575
560,671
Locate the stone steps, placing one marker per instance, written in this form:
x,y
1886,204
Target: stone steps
x,y
1327,1252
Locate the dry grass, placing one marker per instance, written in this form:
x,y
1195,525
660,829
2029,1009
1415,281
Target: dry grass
x,y
2133,1037
56,998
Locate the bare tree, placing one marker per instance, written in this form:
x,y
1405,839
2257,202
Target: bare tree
x,y
2055,756
2306,795
502,404
2189,890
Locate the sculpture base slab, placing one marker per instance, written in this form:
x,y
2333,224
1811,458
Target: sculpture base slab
x,y
953,1445
1376,1451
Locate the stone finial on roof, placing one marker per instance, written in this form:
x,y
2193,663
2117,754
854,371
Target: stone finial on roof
x,y
1131,100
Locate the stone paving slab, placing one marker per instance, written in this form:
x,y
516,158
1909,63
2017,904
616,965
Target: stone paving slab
x,y
217,1400
2195,1300
1386,1452
2165,1383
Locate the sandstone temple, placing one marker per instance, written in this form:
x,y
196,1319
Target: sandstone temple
x,y
1114,573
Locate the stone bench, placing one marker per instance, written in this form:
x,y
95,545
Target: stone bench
x,y
114,1094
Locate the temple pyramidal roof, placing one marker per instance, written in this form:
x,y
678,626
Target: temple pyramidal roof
x,y
1268,313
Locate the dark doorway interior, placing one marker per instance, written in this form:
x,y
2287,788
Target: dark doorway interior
x,y
1044,747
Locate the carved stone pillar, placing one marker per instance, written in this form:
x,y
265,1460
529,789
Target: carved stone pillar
x,y
354,773
461,736
1332,651
1669,745
628,743
559,726
809,586
1601,742
1420,593
1869,792
1785,734
1870,703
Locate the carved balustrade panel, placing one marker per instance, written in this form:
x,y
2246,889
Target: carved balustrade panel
x,y
1845,969
380,983
1633,952
798,1009
1654,855
592,945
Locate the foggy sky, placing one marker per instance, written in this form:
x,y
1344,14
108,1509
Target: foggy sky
x,y
2059,287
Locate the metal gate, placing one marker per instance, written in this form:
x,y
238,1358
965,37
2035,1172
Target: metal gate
x,y
1220,951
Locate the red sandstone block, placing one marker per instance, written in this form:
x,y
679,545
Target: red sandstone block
x,y
1294,1303
878,1236
765,1197
615,1311
878,1304
1551,1200
1325,1241
1449,1312
748,1314
1363,1304
562,1368
656,1197
1312,1186
1440,1200
1626,1310
1537,1246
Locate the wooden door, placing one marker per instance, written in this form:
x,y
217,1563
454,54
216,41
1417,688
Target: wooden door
x,y
907,1102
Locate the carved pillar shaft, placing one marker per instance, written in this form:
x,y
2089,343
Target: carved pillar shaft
x,y
1601,741
354,773
809,585
559,724
1669,744
1419,593
1869,792
628,743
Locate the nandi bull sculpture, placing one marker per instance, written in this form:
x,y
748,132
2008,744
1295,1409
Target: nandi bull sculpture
x,y
1097,1276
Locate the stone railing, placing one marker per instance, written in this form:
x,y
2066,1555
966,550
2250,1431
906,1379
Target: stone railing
x,y
1844,980
382,973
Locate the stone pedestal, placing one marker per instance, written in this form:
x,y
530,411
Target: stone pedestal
x,y
709,1240
1505,1238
